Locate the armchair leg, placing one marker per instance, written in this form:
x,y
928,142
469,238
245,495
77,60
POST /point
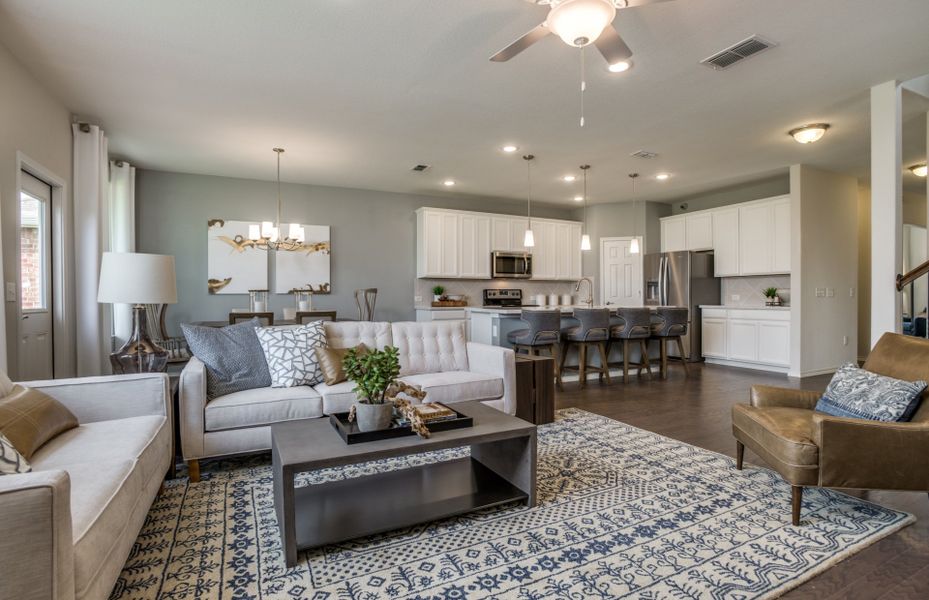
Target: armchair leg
x,y
193,471
739,454
796,495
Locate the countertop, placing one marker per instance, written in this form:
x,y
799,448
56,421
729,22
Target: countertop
x,y
515,311
745,307
427,307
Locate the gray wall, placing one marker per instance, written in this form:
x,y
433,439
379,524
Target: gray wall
x,y
373,236
753,190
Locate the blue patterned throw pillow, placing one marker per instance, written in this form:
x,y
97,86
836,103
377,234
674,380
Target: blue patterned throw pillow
x,y
233,357
861,394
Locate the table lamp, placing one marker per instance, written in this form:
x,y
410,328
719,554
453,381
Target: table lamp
x,y
137,279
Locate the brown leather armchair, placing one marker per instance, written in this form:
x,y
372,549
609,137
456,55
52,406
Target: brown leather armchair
x,y
815,449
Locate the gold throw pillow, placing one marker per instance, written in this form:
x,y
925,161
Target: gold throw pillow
x,y
29,418
330,362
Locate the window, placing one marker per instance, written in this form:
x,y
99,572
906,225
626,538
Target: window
x,y
33,226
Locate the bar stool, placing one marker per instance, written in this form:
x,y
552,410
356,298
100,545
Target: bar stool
x,y
593,330
635,324
670,323
544,333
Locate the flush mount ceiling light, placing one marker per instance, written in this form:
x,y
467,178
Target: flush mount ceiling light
x,y
620,67
569,178
509,148
663,176
448,182
919,170
808,134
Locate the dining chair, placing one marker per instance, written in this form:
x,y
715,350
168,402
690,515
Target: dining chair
x,y
366,300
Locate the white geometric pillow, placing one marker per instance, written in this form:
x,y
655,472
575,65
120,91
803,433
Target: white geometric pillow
x,y
11,461
290,353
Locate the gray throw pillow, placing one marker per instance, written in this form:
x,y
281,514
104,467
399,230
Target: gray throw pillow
x,y
233,357
861,394
291,353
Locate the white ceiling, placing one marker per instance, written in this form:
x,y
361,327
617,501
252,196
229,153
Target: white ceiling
x,y
359,91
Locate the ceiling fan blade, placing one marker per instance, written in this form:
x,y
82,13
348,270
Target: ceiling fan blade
x,y
521,44
635,3
612,47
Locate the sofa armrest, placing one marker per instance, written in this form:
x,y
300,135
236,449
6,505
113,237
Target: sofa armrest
x,y
36,546
191,406
862,454
494,360
766,396
112,396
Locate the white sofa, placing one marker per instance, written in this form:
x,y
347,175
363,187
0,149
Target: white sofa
x,y
434,355
69,525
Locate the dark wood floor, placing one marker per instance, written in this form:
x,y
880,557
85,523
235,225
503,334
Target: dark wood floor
x,y
696,410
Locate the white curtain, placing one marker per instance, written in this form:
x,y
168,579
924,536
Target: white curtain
x,y
121,235
91,233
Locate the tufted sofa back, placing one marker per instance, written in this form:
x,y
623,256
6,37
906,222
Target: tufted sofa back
x,y
348,334
431,347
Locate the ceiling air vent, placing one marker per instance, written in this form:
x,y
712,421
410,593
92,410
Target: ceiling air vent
x,y
420,168
644,154
735,53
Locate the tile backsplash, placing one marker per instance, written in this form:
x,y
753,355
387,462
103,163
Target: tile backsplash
x,y
750,289
473,289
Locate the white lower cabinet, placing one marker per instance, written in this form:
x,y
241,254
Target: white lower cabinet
x,y
752,338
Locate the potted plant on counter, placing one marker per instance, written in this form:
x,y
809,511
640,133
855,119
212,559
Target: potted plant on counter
x,y
438,292
373,373
771,297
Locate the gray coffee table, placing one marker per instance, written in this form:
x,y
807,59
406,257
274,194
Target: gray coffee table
x,y
501,469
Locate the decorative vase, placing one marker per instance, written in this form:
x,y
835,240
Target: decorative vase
x,y
436,297
374,417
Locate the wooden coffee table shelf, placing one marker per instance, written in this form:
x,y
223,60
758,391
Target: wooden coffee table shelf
x,y
500,470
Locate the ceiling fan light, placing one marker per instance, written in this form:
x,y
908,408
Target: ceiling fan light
x,y
585,242
634,246
809,133
529,240
919,170
620,67
580,22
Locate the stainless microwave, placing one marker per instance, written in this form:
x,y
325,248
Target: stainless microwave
x,y
511,265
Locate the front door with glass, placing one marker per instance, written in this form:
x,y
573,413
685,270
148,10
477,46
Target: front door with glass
x,y
35,280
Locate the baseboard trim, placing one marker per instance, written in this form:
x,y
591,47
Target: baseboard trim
x,y
724,362
816,372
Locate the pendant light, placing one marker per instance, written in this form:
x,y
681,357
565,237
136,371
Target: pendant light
x,y
585,238
634,245
529,240
270,235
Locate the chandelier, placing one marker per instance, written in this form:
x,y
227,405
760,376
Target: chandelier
x,y
268,235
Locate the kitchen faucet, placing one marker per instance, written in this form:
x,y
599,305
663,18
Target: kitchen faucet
x,y
590,290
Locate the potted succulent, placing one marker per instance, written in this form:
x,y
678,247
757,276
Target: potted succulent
x,y
373,373
437,293
771,298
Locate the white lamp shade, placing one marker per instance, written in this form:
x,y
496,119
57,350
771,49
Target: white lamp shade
x,y
254,233
580,22
296,232
585,242
634,246
266,228
529,240
132,278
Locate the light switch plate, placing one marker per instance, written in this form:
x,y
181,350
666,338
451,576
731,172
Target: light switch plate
x,y
820,292
417,298
10,291
830,292
736,297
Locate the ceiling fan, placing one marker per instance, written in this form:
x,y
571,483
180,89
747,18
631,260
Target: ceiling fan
x,y
580,23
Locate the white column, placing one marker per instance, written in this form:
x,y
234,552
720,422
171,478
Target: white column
x,y
886,208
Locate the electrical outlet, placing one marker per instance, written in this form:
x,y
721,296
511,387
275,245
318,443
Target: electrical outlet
x,y
417,298
10,291
736,297
830,292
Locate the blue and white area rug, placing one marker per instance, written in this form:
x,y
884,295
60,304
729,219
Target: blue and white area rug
x,y
622,513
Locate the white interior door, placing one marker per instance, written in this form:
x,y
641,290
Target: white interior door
x,y
35,280
620,272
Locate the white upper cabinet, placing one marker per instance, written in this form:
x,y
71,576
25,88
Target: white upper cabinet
x,y
752,238
474,256
699,229
726,242
452,244
673,234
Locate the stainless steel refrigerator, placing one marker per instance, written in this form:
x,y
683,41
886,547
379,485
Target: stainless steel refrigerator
x,y
682,279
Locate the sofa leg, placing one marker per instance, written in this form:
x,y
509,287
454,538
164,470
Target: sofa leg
x,y
739,454
193,471
796,493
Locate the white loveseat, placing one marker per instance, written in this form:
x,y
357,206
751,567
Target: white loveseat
x,y
69,525
433,355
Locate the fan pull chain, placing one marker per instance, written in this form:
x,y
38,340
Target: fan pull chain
x,y
583,83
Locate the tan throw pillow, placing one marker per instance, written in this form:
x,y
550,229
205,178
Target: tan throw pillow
x,y
29,418
330,362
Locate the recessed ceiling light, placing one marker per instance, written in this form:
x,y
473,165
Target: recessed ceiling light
x,y
510,148
569,178
448,182
662,176
619,67
919,170
809,133
578,198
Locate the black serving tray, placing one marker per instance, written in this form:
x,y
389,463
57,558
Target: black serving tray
x,y
352,435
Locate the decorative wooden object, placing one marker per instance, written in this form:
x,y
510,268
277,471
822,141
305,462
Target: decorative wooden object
x,y
450,304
